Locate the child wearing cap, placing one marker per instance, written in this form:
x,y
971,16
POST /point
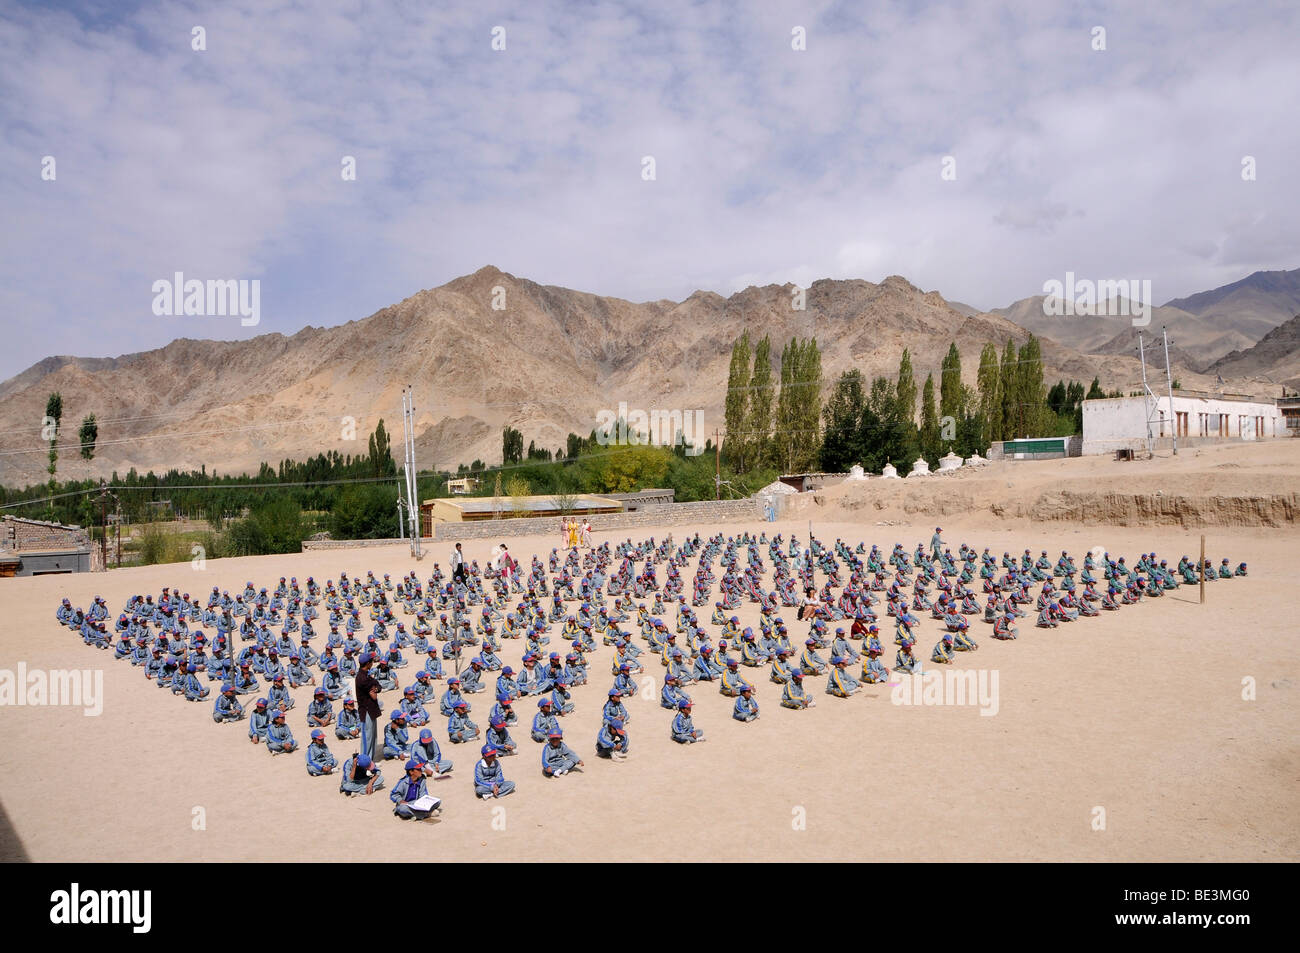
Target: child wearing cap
x,y
498,736
320,712
279,739
426,751
278,696
733,683
612,740
671,695
410,789
489,781
544,722
746,707
684,731
614,708
258,722
794,695
227,707
558,759
459,728
506,684
332,682
840,683
503,711
396,739
320,760
195,690
360,776
451,697
561,697
299,674
410,705
873,671
349,723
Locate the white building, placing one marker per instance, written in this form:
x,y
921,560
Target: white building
x,y
1117,423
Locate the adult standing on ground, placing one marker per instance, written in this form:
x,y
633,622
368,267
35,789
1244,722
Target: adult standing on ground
x,y
935,542
367,689
458,565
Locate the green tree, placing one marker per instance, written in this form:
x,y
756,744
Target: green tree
x,y
929,434
53,418
989,384
758,426
952,397
809,403
1056,398
1030,390
786,410
88,437
512,445
736,406
381,456
906,388
888,436
842,441
1010,389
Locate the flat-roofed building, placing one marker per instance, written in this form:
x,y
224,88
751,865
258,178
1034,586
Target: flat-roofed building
x,y
462,485
1120,423
36,548
476,508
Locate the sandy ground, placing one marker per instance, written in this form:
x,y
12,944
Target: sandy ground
x,y
1138,713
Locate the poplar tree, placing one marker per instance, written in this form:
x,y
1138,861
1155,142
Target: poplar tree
x,y
735,409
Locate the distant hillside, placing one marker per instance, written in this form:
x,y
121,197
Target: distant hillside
x,y
1276,357
1252,306
1199,340
546,364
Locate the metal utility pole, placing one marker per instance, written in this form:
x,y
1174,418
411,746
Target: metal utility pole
x,y
405,486
104,494
103,525
1149,396
717,465
408,457
1169,378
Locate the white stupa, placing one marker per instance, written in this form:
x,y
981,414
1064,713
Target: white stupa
x,y
857,473
949,461
889,472
920,468
975,460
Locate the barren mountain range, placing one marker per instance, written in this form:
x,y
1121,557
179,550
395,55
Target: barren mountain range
x,y
545,361
1203,327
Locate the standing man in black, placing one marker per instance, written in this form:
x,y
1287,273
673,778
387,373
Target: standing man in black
x,y
458,565
367,687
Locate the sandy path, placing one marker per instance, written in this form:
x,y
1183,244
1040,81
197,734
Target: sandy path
x,y
1138,712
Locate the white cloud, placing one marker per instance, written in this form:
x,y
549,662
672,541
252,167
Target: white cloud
x,y
773,165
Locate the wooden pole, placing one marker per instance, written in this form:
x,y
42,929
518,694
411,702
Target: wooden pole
x,y
1202,569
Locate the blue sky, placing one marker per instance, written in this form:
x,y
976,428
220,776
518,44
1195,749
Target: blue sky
x,y
772,164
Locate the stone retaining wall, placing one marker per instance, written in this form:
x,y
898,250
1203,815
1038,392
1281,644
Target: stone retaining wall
x,y
705,511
